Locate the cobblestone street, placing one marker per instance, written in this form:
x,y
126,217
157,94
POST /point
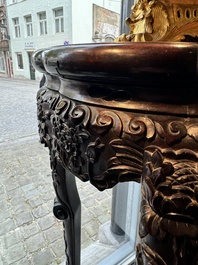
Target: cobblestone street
x,y
29,233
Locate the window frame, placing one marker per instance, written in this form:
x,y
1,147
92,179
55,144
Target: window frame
x,y
3,34
17,29
2,65
59,21
122,227
19,60
42,24
126,254
29,26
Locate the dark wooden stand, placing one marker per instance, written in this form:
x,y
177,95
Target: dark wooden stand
x,y
113,113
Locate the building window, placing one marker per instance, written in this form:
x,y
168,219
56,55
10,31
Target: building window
x,y
19,61
16,27
42,23
3,34
28,20
3,22
2,64
3,29
59,21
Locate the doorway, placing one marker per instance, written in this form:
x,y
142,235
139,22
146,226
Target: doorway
x,y
32,70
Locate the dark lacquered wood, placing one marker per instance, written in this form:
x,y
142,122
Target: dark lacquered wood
x,y
113,113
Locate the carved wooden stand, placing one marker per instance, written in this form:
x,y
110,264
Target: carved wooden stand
x,y
111,113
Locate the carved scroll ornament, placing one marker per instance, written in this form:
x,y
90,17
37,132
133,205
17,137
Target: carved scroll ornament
x,y
81,135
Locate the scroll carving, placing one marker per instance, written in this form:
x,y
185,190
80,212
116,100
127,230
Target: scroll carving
x,y
90,142
160,20
101,145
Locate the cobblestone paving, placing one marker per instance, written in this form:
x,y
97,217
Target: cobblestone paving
x,y
29,233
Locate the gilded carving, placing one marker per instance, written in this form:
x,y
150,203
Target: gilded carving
x,y
160,20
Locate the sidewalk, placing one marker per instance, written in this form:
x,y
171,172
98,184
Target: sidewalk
x,y
29,233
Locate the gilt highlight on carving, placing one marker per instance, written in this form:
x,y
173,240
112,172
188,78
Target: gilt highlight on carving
x,y
156,20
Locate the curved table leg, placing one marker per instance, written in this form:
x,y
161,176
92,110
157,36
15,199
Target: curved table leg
x,y
67,207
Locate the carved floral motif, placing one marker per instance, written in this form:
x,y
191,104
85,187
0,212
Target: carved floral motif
x,y
170,203
78,136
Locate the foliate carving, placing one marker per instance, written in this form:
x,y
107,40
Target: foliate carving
x,y
93,151
99,144
160,20
127,161
170,194
169,205
89,141
151,257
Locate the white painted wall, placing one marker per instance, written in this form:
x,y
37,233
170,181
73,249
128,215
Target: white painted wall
x,y
82,17
33,7
78,24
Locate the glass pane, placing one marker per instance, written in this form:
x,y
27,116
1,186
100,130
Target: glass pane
x,y
58,12
57,25
2,64
29,29
42,16
41,28
62,24
17,31
20,61
28,19
109,221
45,27
16,21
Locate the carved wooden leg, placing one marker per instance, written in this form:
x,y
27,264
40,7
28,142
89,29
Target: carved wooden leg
x,y
168,226
67,207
